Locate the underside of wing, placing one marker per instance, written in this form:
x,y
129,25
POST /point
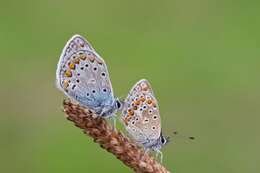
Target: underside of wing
x,y
141,111
82,74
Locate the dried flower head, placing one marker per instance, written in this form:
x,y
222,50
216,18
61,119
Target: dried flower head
x,y
112,140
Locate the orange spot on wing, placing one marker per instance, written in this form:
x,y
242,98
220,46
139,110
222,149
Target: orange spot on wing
x,y
131,112
142,99
137,102
127,118
76,61
68,73
83,57
65,84
149,102
72,66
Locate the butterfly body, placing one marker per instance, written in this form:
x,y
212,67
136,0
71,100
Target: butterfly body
x,y
140,115
83,76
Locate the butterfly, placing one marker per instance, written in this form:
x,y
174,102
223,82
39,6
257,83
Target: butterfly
x,y
83,76
141,117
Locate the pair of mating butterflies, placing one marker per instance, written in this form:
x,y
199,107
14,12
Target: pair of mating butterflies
x,y
83,76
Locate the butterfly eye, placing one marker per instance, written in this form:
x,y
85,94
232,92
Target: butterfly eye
x,y
163,141
118,104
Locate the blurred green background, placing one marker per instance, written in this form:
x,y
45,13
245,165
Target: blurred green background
x,y
201,57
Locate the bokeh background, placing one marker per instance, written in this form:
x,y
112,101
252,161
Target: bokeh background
x,y
201,57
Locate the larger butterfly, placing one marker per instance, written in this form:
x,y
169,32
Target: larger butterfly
x,y
141,117
83,76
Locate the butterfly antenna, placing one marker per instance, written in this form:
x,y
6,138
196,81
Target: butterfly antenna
x,y
189,137
121,98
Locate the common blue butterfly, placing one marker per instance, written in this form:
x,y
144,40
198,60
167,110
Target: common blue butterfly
x,y
141,117
83,76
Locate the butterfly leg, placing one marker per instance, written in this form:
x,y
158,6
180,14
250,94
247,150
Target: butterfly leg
x,y
158,152
113,119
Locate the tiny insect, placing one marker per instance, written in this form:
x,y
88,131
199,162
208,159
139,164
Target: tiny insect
x,y
83,76
141,117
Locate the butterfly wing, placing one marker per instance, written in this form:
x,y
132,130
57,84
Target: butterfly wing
x,y
83,76
140,113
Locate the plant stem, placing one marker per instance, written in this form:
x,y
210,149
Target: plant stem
x,y
112,140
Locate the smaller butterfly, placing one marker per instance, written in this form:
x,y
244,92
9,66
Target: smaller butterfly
x,y
83,76
141,117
